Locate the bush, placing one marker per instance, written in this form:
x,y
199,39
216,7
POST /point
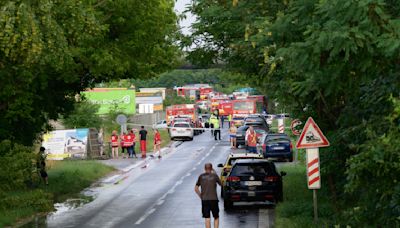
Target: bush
x,y
17,165
84,115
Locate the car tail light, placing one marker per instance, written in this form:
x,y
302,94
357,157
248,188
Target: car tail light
x,y
235,197
233,179
269,197
187,129
271,178
173,129
291,145
264,147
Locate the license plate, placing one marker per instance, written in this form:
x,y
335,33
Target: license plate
x,y
181,132
251,194
279,148
253,183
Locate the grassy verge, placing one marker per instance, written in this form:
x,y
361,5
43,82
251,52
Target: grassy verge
x,y
66,180
297,208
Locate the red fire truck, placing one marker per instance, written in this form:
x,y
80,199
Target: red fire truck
x,y
261,102
205,92
244,107
225,107
181,110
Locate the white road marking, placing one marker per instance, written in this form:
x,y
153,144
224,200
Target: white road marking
x,y
263,218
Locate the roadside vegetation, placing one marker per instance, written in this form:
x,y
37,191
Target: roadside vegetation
x,y
23,193
337,61
296,211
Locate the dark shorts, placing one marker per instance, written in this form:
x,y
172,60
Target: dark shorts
x,y
43,173
208,206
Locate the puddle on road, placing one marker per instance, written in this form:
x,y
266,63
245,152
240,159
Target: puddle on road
x,y
70,204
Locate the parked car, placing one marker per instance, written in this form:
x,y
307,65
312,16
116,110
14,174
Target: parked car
x,y
277,146
182,130
253,180
226,168
160,124
256,120
238,121
241,134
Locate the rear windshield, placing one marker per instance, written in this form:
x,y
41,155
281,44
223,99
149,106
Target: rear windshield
x,y
181,125
277,138
232,160
243,128
252,169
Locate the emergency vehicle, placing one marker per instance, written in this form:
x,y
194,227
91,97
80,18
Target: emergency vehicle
x,y
244,107
181,110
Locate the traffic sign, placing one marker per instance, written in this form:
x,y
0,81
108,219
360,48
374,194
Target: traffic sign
x,y
294,126
313,174
312,136
121,119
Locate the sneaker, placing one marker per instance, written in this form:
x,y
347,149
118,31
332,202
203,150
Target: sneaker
x,y
159,156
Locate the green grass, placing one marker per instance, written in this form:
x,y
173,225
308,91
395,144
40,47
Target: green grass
x,y
66,180
297,208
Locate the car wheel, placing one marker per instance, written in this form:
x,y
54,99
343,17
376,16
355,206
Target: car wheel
x,y
172,139
228,204
291,159
190,139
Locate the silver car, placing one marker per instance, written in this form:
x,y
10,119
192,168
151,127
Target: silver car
x,y
181,130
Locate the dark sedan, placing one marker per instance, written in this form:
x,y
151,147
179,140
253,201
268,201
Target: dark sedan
x,y
252,180
241,133
277,146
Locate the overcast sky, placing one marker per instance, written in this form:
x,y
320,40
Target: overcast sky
x,y
180,6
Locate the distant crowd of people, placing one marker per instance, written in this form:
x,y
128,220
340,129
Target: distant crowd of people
x,y
127,143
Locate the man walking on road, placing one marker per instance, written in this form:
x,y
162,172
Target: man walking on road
x,y
207,182
143,137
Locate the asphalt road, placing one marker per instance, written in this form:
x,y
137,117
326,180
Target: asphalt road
x,y
162,194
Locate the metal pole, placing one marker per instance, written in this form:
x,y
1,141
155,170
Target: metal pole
x,y
297,150
315,206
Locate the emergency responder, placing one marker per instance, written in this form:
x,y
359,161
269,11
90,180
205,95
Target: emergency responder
x,y
114,144
252,140
230,119
124,145
157,143
217,131
128,142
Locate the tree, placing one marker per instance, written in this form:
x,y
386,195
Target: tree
x,y
83,116
52,50
337,61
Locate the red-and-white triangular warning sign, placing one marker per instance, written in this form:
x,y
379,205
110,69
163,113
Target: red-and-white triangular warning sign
x,y
311,136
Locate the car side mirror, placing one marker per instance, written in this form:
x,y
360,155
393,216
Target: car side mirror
x,y
220,165
283,173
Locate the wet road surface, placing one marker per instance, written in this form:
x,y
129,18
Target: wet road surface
x,y
162,194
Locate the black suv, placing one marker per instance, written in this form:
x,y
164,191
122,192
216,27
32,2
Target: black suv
x,y
252,180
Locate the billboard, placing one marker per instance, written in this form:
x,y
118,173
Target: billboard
x,y
62,144
109,98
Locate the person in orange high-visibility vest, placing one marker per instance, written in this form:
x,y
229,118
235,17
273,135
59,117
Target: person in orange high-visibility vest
x,y
128,142
124,144
157,143
114,144
252,140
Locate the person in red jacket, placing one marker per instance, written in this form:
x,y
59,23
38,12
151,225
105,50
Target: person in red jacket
x,y
157,143
114,144
124,144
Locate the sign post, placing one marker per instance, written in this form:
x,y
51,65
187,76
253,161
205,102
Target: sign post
x,y
281,125
296,131
311,139
121,120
